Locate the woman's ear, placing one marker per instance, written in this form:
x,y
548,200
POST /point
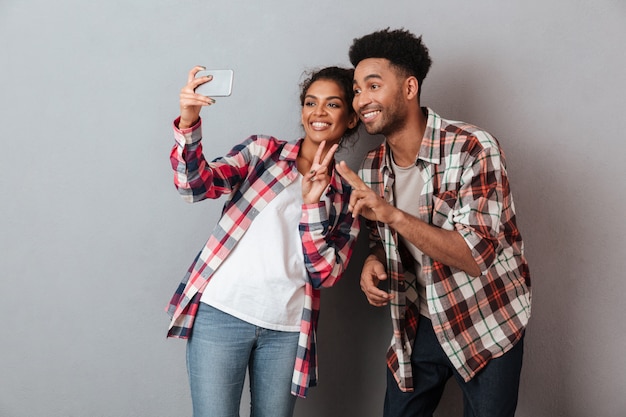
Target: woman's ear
x,y
354,119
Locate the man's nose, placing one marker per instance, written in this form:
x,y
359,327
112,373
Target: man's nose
x,y
360,101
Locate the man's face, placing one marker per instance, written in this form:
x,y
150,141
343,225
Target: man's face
x,y
378,98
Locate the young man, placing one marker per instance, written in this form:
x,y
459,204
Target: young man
x,y
444,235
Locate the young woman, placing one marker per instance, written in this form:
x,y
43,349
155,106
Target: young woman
x,y
250,299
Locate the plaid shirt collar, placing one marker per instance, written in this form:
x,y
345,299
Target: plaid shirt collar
x,y
430,148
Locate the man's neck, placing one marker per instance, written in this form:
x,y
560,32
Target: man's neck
x,y
405,143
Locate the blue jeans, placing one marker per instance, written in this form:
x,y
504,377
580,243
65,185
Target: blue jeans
x,y
220,350
491,393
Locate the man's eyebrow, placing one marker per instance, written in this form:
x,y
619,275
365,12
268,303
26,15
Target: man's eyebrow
x,y
369,77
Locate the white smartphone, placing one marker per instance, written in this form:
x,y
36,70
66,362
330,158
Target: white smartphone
x,y
220,86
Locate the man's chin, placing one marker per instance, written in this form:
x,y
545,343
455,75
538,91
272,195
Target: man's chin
x,y
372,129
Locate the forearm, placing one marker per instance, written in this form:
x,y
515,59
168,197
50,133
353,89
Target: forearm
x,y
445,246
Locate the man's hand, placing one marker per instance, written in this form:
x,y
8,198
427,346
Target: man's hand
x,y
373,272
364,200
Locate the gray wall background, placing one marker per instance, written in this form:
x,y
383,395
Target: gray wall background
x,y
94,239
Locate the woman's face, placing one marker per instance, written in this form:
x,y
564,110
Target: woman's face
x,y
325,113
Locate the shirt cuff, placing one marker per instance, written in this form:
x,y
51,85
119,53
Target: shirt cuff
x,y
479,247
189,135
314,214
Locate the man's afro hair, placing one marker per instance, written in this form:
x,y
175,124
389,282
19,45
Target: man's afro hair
x,y
400,47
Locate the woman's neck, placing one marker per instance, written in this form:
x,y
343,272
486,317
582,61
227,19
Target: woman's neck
x,y
304,161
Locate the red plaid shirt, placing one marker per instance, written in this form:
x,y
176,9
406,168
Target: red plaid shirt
x,y
465,189
252,173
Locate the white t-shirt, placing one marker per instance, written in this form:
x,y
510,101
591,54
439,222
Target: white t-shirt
x,y
262,280
410,182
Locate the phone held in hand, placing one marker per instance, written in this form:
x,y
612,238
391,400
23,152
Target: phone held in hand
x,y
220,86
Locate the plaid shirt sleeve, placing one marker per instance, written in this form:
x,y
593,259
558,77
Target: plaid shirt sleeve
x,y
328,239
479,209
195,178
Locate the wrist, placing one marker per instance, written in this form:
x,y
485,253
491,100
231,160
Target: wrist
x,y
372,257
395,217
186,124
312,201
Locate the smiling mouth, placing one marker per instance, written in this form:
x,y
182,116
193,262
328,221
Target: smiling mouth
x,y
320,125
369,114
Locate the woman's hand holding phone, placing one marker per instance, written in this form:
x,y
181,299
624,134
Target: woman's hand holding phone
x,y
191,102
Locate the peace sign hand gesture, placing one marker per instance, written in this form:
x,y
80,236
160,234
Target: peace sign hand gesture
x,y
317,179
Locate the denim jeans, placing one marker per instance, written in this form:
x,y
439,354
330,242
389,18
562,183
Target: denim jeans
x,y
491,393
220,350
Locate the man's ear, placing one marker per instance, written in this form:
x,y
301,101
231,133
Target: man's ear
x,y
412,87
